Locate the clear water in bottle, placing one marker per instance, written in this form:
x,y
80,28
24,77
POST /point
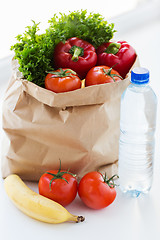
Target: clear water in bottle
x,y
137,130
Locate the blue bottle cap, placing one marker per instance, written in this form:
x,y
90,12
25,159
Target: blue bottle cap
x,y
140,75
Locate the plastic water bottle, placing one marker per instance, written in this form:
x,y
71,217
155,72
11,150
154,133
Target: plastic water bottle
x,y
137,130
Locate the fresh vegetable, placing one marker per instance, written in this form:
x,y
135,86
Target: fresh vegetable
x,y
119,54
62,80
58,185
35,51
34,54
35,205
100,75
76,54
96,190
91,27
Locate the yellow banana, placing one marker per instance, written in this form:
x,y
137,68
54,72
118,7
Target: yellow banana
x,y
36,205
83,83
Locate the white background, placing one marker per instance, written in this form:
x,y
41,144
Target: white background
x,y
17,14
126,218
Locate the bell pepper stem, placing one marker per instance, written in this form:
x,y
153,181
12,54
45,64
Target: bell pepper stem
x,y
76,52
113,48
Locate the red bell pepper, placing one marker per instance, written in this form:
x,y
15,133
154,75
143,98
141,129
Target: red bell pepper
x,y
76,54
119,55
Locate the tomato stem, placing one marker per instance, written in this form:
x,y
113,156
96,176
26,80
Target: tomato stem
x,y
62,73
59,175
108,73
110,181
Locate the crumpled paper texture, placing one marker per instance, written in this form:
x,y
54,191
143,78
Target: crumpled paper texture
x,y
80,128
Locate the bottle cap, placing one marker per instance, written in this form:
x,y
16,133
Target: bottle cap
x,y
140,75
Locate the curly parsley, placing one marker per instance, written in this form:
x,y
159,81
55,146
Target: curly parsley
x,y
35,51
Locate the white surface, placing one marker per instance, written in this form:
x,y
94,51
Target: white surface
x,y
125,219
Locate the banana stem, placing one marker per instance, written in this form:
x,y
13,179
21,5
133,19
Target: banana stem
x,y
80,219
76,219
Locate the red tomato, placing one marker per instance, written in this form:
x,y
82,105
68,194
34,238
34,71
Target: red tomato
x,y
96,191
62,80
58,185
102,74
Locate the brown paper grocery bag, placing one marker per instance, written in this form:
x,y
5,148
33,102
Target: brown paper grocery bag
x,y
80,128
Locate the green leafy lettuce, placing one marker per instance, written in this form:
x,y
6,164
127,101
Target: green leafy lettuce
x,y
35,51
